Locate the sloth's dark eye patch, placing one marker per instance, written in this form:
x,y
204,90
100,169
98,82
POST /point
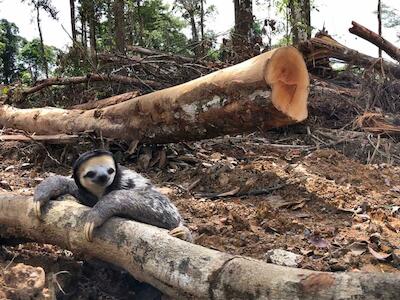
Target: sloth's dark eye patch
x,y
110,171
90,174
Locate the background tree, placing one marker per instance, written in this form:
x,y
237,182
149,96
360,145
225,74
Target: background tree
x,y
119,21
73,20
390,18
47,6
30,60
196,14
152,24
300,20
243,28
9,40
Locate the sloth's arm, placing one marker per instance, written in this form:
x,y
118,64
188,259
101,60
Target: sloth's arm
x,y
51,188
144,205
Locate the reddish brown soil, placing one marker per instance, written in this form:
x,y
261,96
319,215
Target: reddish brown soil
x,y
322,202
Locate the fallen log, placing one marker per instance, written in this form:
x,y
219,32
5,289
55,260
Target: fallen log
x,y
324,46
107,101
269,90
375,39
179,269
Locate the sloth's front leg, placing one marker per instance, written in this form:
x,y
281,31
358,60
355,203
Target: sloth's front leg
x,y
51,188
144,205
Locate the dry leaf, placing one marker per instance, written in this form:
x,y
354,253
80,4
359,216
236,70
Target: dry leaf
x,y
163,159
193,184
375,238
216,156
358,248
277,202
392,228
298,206
318,241
230,193
396,257
133,147
5,185
379,255
9,168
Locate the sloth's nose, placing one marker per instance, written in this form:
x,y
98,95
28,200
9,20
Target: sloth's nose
x,y
102,179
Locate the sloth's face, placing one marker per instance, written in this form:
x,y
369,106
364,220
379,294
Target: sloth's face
x,y
97,173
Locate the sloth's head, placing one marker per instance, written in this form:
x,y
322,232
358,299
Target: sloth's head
x,y
95,171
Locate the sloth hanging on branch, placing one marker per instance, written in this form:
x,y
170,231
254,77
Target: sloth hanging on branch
x,y
112,190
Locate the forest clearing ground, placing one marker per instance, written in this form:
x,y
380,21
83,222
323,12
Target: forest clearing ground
x,y
336,212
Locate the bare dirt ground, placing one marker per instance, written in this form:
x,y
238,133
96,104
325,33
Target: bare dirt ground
x,y
241,195
322,190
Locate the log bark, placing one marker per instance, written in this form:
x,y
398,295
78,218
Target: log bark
x,y
324,46
183,270
92,77
375,39
107,101
49,139
267,91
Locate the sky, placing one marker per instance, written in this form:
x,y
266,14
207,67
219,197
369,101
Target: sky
x,y
335,15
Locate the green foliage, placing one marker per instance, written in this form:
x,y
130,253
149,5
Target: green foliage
x,y
191,11
158,27
390,16
30,59
9,40
46,5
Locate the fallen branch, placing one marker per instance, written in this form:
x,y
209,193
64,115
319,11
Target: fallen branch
x,y
180,269
239,192
324,46
49,139
378,123
375,39
151,52
267,91
86,79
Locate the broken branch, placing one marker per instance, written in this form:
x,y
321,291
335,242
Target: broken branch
x,y
86,79
375,39
324,46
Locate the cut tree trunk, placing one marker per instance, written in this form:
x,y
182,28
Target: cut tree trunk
x,y
267,91
179,269
375,39
324,46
